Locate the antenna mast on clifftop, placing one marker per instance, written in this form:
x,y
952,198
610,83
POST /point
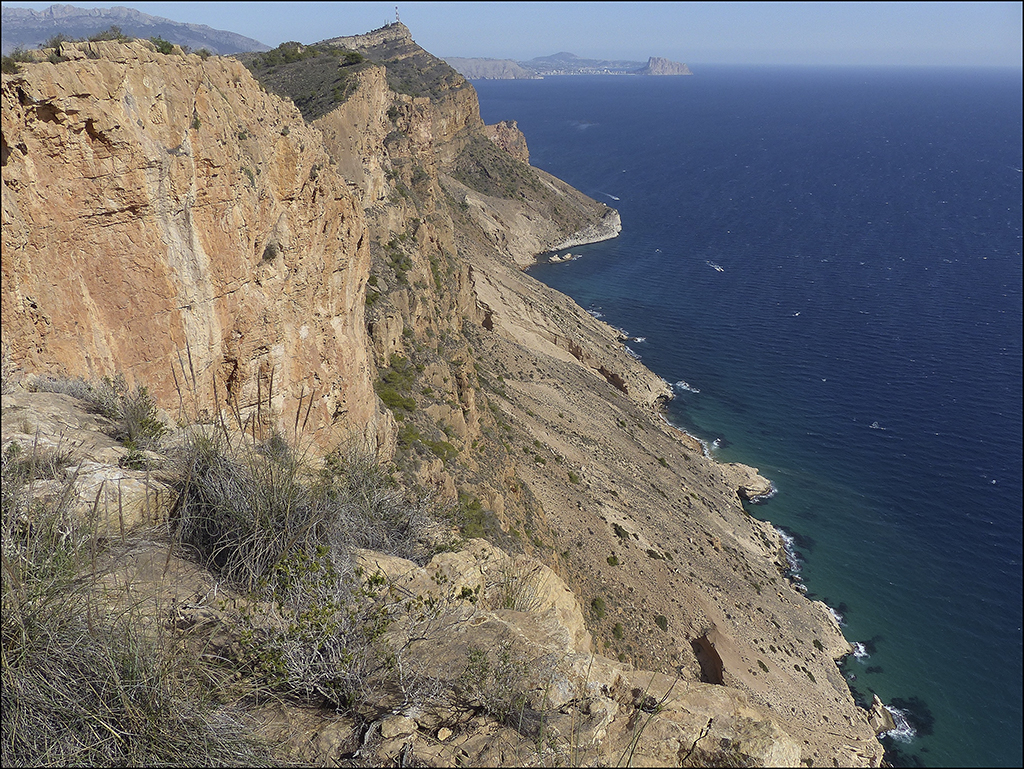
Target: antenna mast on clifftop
x,y
398,20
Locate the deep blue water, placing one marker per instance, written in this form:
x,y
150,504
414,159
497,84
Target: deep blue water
x,y
861,343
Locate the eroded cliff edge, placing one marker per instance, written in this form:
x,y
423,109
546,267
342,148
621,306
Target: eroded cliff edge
x,y
161,207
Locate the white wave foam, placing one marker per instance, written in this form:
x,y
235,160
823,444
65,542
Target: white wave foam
x,y
860,651
759,498
595,314
639,339
789,546
632,353
681,385
903,732
840,619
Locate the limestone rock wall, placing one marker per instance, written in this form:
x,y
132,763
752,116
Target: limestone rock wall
x,y
165,210
507,135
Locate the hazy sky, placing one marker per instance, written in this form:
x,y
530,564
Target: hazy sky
x,y
942,33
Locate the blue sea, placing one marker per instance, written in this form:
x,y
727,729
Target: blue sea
x,y
828,263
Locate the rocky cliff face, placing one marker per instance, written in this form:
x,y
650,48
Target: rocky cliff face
x,y
164,215
163,209
659,66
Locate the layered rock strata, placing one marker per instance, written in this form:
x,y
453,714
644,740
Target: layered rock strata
x,y
164,216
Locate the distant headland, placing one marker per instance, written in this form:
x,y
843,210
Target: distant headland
x,y
561,64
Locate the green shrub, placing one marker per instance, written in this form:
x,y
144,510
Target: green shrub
x,y
613,560
599,607
496,682
133,412
56,41
661,621
395,384
111,33
471,513
162,46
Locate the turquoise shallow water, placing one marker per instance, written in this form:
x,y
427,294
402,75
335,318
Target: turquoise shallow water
x,y
833,259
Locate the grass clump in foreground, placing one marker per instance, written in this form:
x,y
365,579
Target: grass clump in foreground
x,y
95,679
282,531
82,687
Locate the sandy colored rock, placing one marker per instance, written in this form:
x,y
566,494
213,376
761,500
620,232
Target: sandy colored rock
x,y
181,250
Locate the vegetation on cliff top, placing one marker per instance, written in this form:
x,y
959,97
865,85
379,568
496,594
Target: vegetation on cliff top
x,y
316,77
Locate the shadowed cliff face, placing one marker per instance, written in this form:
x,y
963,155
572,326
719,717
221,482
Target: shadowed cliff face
x,y
160,207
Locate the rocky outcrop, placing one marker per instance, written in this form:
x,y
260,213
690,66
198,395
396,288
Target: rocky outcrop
x,y
609,226
659,66
507,135
746,480
588,705
158,217
879,717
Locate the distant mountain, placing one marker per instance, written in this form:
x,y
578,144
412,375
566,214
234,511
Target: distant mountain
x,y
562,63
659,66
490,69
24,28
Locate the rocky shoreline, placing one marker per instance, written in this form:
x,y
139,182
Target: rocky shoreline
x,y
609,227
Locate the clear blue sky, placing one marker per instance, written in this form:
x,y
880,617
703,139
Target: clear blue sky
x,y
940,33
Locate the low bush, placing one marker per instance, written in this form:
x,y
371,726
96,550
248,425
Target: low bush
x,y
133,412
81,687
283,529
111,33
162,46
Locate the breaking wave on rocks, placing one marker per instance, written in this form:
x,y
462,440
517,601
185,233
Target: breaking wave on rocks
x,y
839,618
789,545
904,731
686,386
860,651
